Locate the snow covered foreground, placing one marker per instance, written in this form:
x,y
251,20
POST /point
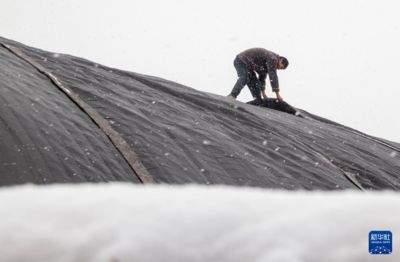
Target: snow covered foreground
x,y
125,222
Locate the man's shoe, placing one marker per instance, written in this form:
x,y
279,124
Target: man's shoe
x,y
231,98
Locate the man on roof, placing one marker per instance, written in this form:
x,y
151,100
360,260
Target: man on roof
x,y
253,62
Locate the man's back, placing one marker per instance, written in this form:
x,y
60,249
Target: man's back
x,y
258,57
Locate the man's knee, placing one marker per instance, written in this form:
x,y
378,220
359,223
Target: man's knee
x,y
243,80
255,90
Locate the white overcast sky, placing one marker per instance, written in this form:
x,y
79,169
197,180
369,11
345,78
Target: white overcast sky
x,y
343,54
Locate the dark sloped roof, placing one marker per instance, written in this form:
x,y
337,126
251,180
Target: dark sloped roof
x,y
132,127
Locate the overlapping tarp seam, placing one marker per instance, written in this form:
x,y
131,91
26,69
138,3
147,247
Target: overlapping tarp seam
x,y
348,175
116,139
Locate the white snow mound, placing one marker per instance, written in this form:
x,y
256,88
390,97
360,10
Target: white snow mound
x,y
125,222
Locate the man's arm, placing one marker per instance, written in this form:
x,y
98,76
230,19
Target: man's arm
x,y
273,78
262,75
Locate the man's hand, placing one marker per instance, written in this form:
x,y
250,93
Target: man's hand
x,y
264,95
231,98
278,96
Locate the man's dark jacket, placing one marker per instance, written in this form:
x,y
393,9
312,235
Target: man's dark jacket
x,y
263,62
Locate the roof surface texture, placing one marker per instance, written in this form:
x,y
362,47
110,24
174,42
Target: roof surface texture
x,y
66,119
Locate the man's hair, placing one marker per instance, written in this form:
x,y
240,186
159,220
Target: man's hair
x,y
284,61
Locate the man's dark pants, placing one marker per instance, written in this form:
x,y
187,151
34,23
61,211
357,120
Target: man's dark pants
x,y
246,77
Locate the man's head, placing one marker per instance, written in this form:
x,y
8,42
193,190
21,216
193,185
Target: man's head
x,y
282,63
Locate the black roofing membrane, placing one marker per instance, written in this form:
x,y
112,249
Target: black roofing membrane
x,y
181,135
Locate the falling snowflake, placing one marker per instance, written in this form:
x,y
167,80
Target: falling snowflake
x,y
206,142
